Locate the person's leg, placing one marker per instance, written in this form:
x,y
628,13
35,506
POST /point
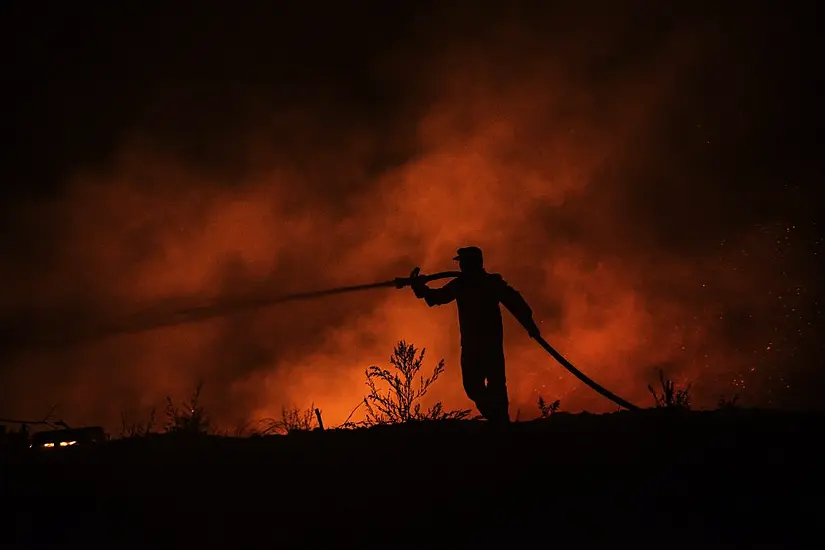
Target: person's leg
x,y
496,390
472,376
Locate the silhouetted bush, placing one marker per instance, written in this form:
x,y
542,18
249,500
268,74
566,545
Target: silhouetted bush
x,y
292,420
670,397
189,417
546,409
399,401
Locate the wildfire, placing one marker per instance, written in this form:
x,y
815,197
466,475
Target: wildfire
x,y
521,155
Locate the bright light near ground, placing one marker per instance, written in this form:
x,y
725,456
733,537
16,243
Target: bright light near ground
x,y
61,444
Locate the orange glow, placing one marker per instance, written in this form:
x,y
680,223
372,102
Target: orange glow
x,y
524,159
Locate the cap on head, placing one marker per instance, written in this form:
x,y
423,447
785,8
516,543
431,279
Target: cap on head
x,y
470,253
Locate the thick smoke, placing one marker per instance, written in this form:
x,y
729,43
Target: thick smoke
x,y
554,153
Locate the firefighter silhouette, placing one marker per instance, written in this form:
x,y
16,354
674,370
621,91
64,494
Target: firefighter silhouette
x,y
478,294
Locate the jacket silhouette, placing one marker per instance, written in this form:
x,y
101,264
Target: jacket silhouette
x,y
478,294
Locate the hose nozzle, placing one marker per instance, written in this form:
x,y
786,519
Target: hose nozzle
x,y
401,282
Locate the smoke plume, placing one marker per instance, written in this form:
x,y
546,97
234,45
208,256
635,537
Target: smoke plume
x,y
572,148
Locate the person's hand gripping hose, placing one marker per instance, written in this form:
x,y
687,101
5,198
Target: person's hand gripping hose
x,y
418,285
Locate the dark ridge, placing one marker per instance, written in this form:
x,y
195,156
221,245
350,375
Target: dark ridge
x,y
720,477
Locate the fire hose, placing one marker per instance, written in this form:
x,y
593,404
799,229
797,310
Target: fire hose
x,y
154,320
402,282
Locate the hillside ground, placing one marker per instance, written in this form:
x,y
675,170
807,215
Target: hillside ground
x,y
664,478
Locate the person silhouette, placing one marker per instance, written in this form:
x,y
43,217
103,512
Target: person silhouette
x,y
478,294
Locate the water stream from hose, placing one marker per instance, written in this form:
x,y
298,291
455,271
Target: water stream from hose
x,y
69,336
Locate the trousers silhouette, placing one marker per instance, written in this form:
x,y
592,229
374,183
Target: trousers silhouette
x,y
485,381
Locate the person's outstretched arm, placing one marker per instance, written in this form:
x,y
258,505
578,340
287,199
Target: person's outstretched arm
x,y
433,296
516,304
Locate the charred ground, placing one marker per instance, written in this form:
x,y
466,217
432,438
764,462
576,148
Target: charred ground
x,y
734,476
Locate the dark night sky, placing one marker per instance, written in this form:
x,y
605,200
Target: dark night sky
x,y
731,157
